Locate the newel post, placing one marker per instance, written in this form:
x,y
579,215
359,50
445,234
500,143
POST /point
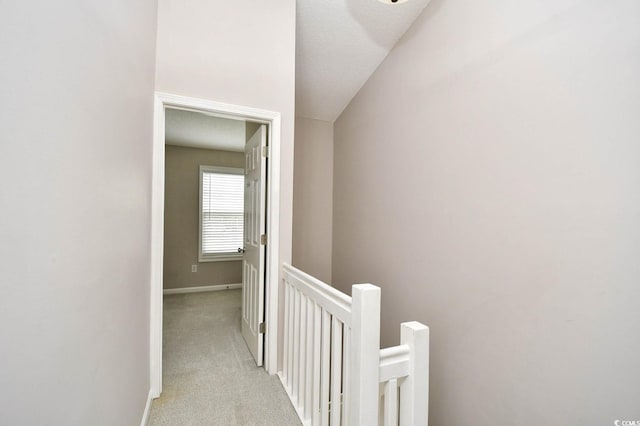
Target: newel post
x,y
414,389
365,355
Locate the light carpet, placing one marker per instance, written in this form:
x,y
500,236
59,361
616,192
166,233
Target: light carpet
x,y
209,376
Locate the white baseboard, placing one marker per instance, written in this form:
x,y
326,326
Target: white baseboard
x,y
299,412
147,411
202,288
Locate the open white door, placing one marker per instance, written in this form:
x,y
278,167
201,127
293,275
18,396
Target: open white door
x,y
253,262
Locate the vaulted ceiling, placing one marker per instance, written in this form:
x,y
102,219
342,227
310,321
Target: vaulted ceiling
x,y
339,44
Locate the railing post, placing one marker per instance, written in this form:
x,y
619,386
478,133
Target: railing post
x,y
365,355
414,389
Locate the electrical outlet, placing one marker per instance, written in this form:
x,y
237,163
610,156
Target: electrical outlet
x,y
194,268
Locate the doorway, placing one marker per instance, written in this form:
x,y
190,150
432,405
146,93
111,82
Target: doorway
x,y
270,122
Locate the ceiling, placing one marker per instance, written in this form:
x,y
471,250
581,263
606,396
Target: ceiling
x,y
339,44
199,130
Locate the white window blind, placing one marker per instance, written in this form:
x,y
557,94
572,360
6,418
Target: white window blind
x,y
222,205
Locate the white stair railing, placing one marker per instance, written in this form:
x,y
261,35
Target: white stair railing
x,y
333,369
405,368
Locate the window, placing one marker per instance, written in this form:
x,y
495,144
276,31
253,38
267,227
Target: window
x,y
221,213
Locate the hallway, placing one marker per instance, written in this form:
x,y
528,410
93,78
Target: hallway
x,y
209,377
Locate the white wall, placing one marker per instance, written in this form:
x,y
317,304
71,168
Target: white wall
x,y
313,197
487,178
76,83
240,52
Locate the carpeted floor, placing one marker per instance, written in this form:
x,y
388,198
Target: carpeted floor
x,y
209,376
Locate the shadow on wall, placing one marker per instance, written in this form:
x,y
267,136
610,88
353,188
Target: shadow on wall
x,y
385,24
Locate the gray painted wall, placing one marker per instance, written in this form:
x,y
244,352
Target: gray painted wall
x,y
182,193
313,197
486,177
76,83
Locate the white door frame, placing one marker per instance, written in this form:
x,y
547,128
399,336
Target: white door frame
x,y
235,112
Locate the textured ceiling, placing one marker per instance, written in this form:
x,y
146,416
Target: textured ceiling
x,y
339,44
197,130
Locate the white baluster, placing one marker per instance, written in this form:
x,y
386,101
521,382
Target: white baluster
x,y
309,365
325,368
336,371
391,403
302,365
317,356
285,355
296,346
